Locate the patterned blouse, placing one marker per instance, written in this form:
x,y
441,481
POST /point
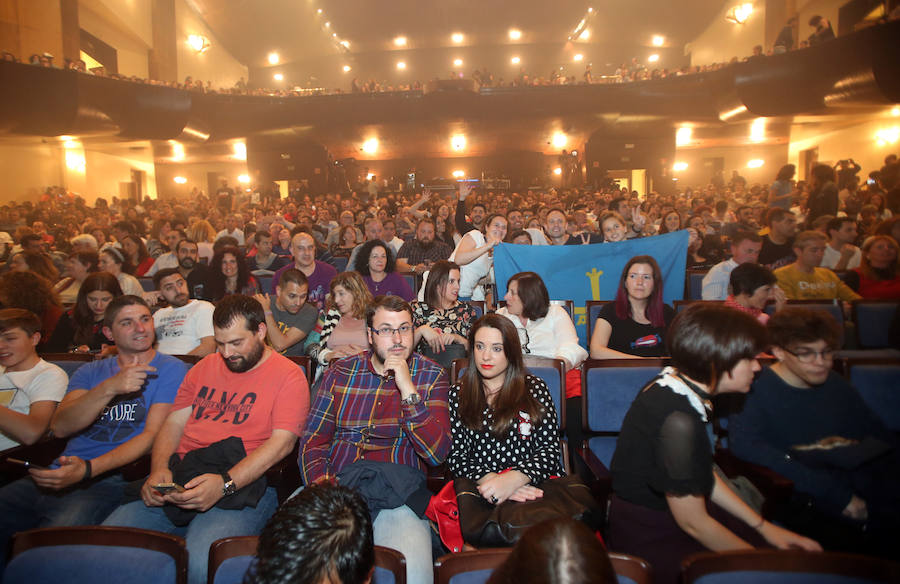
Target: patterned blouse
x,y
457,319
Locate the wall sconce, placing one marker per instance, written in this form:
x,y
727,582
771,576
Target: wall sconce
x,y
740,13
199,43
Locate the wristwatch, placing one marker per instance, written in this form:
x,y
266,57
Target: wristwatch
x,y
412,400
229,488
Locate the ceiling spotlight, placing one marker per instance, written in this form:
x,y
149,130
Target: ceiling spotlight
x,y
895,111
740,13
557,171
278,77
679,166
758,130
559,140
585,35
345,44
327,25
273,58
457,37
177,151
334,35
319,11
590,9
653,58
683,136
198,42
515,34
457,62
370,146
346,68
459,173
401,65
658,40
515,60
458,142
400,41
578,57
240,151
243,178
755,163
180,180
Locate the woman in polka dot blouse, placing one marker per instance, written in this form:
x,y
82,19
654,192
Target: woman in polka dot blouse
x,y
503,422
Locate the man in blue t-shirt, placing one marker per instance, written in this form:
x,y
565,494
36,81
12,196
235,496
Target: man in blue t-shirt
x,y
111,413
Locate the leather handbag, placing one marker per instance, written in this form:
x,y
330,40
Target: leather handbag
x,y
487,525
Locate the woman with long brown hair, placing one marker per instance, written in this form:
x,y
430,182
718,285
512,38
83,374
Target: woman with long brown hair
x,y
81,328
341,329
502,418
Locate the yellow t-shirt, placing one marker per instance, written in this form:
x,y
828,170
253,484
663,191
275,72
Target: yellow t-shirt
x,y
822,284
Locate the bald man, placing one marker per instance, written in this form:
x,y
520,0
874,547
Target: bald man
x,y
318,274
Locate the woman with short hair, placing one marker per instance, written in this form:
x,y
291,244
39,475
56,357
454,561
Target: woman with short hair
x,y
752,286
77,267
879,272
112,261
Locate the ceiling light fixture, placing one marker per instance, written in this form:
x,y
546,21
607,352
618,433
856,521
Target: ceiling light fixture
x,y
458,142
370,146
585,35
457,37
346,68
679,166
180,180
273,58
758,130
557,171
278,77
653,58
755,163
515,34
578,57
683,136
559,140
515,60
740,13
457,62
243,178
886,136
401,65
198,43
400,41
658,40
459,173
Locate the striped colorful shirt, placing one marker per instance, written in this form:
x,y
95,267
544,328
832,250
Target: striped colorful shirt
x,y
357,415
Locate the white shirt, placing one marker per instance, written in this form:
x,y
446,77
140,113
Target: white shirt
x,y
715,282
19,389
552,336
832,256
129,284
179,330
166,260
237,234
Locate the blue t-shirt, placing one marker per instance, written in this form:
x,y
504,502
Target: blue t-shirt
x,y
123,418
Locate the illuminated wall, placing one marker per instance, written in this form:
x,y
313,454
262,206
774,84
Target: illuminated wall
x,y
127,29
723,40
216,64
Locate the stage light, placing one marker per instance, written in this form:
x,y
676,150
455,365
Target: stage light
x,y
459,174
273,58
370,146
585,35
578,57
559,140
679,166
758,130
401,65
557,171
886,136
458,142
457,62
240,151
457,37
515,60
278,77
400,41
199,43
244,178
658,40
515,34
653,58
755,163
683,136
180,180
346,68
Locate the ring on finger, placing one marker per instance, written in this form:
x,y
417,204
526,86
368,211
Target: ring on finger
x,y
493,499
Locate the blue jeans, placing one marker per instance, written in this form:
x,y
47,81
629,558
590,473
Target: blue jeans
x,y
203,530
24,505
402,530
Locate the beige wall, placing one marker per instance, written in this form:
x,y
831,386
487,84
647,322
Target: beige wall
x,y
31,26
216,64
27,168
123,30
735,158
196,175
723,40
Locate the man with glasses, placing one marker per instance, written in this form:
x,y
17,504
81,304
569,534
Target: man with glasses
x,y
386,405
804,421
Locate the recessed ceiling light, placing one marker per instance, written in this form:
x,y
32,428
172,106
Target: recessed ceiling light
x,y
346,68
585,35
515,34
457,37
400,41
653,58
278,77
515,60
578,57
273,58
457,62
401,65
658,40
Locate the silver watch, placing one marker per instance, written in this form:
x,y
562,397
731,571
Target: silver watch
x,y
412,400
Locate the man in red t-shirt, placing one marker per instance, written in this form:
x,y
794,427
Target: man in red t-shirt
x,y
245,390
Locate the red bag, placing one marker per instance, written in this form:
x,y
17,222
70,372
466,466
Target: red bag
x,y
444,511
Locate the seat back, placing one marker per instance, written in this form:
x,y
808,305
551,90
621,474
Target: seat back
x,y
68,362
873,322
473,567
305,364
411,279
76,555
631,569
147,284
340,263
878,382
592,309
832,307
680,305
231,557
693,284
608,388
786,567
478,305
265,283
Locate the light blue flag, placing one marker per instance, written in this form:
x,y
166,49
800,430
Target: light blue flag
x,y
591,272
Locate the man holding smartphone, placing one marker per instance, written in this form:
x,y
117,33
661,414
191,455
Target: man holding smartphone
x,y
112,410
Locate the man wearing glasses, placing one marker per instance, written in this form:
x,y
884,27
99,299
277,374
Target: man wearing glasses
x,y
804,421
385,405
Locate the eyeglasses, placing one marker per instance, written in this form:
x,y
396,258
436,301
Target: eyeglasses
x,y
524,341
810,356
387,331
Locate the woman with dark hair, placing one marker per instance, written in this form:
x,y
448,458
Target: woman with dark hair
x,y
473,255
752,286
81,328
502,418
545,329
135,252
112,261
879,272
345,243
442,322
375,263
40,264
341,329
229,274
668,499
556,551
156,243
77,267
782,189
671,222
32,292
635,324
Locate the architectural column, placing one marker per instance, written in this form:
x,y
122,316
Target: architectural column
x,y
163,59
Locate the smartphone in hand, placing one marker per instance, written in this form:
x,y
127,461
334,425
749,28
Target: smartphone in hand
x,y
166,488
26,464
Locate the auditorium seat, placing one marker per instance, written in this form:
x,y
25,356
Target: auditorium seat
x,y
478,305
68,362
693,284
873,320
147,284
592,309
878,382
786,567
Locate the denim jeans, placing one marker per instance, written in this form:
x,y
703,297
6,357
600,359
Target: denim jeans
x,y
402,530
24,505
203,530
